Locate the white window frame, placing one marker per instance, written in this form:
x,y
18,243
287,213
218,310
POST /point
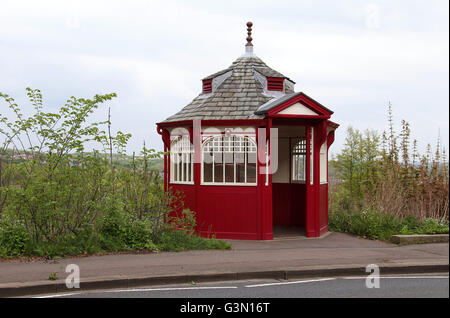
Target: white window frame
x,y
324,163
182,146
267,163
311,157
252,145
294,153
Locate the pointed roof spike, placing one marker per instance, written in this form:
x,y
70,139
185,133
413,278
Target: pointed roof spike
x,y
249,45
249,34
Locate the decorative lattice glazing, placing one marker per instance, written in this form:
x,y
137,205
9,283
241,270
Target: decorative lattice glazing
x,y
181,144
298,153
229,160
236,144
299,148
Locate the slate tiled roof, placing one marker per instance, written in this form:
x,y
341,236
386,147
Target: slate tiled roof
x,y
268,72
237,97
219,73
274,103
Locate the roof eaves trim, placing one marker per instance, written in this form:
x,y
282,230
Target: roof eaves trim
x,y
271,104
287,99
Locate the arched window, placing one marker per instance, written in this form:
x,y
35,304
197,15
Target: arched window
x,y
181,160
229,160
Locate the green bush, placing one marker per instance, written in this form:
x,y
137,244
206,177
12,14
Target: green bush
x,y
61,200
119,231
433,226
376,225
14,239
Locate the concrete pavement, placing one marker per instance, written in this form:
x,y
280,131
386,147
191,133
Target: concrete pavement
x,y
280,258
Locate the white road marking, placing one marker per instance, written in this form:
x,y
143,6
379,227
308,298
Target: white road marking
x,y
289,283
139,290
248,286
57,295
167,289
399,277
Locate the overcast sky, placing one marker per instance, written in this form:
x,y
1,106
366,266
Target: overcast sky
x,y
351,56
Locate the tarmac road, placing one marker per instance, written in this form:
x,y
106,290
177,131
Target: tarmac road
x,y
336,254
398,286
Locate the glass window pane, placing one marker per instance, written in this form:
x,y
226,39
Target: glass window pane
x,y
181,168
185,167
234,160
218,167
294,167
229,167
301,167
175,168
191,160
207,167
240,167
299,160
188,168
251,168
298,167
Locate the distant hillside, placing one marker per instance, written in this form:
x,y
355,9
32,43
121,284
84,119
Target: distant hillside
x,y
119,160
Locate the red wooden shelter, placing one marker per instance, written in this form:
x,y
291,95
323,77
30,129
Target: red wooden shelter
x,y
250,154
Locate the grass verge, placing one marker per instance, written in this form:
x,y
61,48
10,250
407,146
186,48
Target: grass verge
x,y
376,225
17,244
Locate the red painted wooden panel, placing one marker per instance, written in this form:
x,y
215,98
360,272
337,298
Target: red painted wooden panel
x,y
281,204
267,226
228,211
185,194
289,204
298,204
223,211
323,208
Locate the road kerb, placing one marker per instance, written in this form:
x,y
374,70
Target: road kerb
x,y
34,288
419,239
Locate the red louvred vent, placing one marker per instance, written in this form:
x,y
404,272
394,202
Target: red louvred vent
x,y
275,84
207,86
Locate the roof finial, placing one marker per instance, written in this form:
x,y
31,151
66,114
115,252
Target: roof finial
x,y
249,33
249,45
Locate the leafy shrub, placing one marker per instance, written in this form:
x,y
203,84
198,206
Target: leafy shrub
x,y
184,221
65,201
433,226
14,239
119,231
